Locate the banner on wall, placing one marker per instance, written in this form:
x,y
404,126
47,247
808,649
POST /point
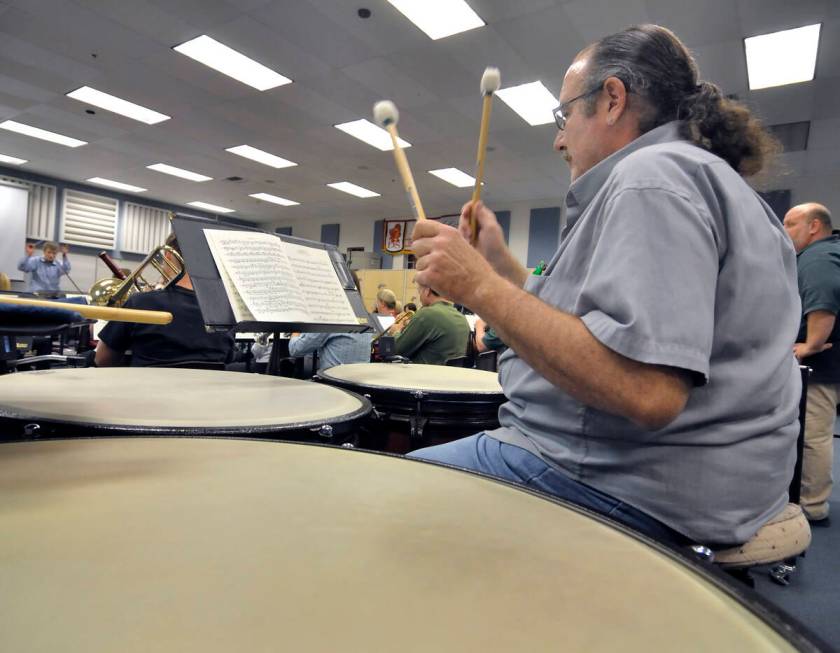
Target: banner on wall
x,y
396,238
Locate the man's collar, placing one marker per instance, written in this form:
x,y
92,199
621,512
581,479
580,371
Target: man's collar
x,y
584,188
821,240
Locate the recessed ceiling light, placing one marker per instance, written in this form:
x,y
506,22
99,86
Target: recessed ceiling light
x,y
125,108
454,176
261,157
43,134
533,102
116,184
11,160
780,58
353,189
211,207
366,131
282,201
439,18
178,172
229,62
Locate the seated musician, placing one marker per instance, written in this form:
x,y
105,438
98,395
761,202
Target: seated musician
x,y
182,340
650,375
436,333
386,302
486,338
332,348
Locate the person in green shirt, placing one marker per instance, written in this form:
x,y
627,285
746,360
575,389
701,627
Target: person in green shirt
x,y
436,333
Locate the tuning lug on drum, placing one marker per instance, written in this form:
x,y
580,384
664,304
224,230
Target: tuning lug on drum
x,y
325,431
32,430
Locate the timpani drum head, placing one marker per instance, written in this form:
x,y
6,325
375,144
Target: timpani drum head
x,y
191,544
173,401
432,379
420,405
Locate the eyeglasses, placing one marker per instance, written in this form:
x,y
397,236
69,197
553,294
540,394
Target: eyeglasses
x,y
560,111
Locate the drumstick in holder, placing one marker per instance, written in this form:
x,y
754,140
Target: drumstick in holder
x,y
385,113
97,312
490,82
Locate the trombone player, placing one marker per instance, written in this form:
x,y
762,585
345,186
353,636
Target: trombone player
x,y
183,341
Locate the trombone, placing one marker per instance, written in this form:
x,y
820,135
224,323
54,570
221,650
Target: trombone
x,y
166,260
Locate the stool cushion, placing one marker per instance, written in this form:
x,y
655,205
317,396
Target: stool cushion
x,y
784,536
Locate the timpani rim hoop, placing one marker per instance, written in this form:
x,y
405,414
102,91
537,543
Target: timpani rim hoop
x,y
407,377
58,398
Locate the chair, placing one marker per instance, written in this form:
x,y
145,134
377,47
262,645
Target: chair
x,y
488,361
461,361
783,538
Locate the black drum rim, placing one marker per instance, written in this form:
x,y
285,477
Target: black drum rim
x,y
348,420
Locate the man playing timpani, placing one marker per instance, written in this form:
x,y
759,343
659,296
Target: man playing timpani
x,y
649,374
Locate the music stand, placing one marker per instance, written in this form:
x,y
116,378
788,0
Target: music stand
x,y
212,296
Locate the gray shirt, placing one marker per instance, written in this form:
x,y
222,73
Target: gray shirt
x,y
45,274
669,258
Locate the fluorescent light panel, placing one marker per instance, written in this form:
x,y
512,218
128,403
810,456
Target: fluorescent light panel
x,y
261,157
353,189
229,62
11,160
439,18
366,131
114,104
781,58
533,102
116,184
43,134
454,176
178,172
282,201
211,207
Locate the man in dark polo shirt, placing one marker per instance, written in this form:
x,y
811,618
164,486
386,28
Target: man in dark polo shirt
x,y
818,266
182,340
436,333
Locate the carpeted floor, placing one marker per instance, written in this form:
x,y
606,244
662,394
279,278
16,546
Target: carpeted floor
x,y
813,596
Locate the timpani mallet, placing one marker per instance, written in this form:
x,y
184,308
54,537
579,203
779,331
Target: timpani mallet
x,y
490,82
385,114
109,313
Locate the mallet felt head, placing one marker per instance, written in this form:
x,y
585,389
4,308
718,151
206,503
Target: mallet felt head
x,y
490,80
385,112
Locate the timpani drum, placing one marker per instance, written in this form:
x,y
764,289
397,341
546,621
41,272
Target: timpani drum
x,y
191,544
420,405
171,401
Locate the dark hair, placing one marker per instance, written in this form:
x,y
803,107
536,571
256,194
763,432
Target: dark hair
x,y
654,65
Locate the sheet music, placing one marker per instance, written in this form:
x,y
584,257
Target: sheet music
x,y
259,275
326,300
240,310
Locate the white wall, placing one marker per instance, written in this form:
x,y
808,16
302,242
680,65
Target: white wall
x,y
824,189
359,232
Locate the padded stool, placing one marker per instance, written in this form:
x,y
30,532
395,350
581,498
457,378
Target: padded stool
x,y
779,541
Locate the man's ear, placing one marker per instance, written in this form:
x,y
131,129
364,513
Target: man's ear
x,y
617,97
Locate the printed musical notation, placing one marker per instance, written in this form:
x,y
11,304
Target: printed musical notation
x,y
268,280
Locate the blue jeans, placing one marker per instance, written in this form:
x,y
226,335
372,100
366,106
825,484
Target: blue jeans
x,y
484,454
